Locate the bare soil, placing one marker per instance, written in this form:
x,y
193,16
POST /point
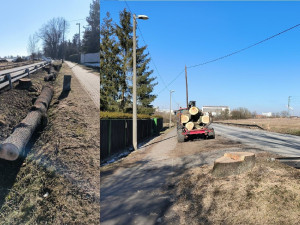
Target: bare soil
x,y
16,103
58,182
279,125
269,194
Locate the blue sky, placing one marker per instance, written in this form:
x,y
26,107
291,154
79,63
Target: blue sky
x,y
19,19
189,33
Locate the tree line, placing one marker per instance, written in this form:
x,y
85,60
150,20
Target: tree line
x,y
116,42
244,113
52,34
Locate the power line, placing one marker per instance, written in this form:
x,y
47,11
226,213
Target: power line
x,y
243,49
236,52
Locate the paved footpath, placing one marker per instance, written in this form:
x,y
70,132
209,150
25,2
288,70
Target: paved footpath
x,y
133,195
89,81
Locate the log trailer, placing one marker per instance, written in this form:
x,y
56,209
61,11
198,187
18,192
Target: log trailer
x,y
193,123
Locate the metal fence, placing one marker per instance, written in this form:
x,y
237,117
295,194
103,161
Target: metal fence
x,y
7,78
116,134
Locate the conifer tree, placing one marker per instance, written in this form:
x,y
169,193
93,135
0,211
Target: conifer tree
x,y
145,86
90,42
124,34
109,67
144,82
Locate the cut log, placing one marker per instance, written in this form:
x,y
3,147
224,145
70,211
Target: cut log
x,y
15,144
194,110
25,83
184,118
233,163
205,119
189,125
50,77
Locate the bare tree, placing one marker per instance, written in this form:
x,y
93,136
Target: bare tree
x,y
52,35
32,47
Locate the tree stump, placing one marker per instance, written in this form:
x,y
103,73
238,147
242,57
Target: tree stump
x,y
233,163
25,83
67,83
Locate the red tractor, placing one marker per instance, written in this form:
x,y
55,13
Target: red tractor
x,y
193,123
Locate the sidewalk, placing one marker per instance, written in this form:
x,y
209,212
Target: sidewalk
x,y
89,81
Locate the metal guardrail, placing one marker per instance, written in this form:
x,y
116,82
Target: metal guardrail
x,y
8,79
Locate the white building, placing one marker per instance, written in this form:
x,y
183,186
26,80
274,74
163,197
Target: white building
x,y
214,110
268,114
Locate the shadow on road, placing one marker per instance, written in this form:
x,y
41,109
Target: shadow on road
x,y
63,95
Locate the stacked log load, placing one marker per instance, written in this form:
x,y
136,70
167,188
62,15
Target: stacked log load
x,y
194,118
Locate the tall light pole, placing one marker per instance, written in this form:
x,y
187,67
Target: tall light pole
x,y
171,91
79,43
134,116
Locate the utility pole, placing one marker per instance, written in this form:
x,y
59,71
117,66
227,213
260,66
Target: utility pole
x,y
171,91
289,101
134,116
79,43
134,113
186,88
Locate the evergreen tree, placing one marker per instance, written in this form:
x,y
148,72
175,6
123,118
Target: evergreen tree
x,y
90,42
124,34
109,67
145,83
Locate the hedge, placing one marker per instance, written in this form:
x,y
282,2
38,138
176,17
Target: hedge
x,y
119,115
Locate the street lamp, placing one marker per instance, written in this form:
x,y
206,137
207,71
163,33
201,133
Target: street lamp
x,y
171,91
134,116
79,43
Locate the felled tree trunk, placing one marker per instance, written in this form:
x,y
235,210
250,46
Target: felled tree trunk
x,y
13,146
50,77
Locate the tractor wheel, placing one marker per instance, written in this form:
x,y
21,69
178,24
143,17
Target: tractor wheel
x,y
180,136
212,135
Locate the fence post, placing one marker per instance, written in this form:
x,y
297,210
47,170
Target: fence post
x,y
109,138
27,71
125,138
8,77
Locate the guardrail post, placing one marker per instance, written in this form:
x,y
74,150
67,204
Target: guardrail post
x,y
8,77
27,71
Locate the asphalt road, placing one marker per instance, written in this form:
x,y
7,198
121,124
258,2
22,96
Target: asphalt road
x,y
282,144
89,81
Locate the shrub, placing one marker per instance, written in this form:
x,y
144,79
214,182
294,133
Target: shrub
x,y
119,115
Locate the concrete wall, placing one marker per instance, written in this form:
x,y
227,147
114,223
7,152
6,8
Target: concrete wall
x,y
90,58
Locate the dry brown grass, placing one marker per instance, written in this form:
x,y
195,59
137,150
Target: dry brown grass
x,y
280,125
269,194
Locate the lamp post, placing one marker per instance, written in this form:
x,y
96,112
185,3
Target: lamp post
x,y
134,116
171,91
79,43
